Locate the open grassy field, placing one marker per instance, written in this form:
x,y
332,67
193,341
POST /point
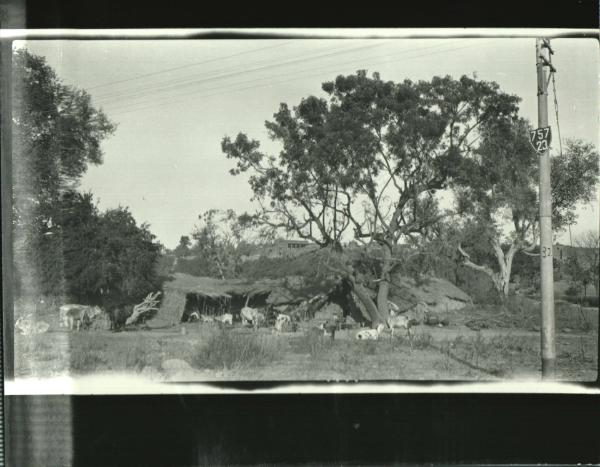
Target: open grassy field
x,y
506,346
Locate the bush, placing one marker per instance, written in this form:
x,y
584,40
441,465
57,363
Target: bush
x,y
229,350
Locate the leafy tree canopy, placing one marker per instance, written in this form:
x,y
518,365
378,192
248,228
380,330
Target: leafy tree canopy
x,y
56,133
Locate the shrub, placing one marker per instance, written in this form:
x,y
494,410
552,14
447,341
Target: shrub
x,y
91,353
137,357
228,350
422,340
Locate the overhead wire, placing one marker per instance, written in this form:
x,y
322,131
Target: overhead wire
x,y
180,80
228,88
192,81
189,65
298,74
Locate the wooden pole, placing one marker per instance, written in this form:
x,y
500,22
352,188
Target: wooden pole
x,y
546,266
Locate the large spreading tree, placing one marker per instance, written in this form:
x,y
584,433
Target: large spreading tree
x,y
368,158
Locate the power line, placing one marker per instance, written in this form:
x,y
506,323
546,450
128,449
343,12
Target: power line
x,y
186,82
229,89
161,86
299,74
245,52
183,79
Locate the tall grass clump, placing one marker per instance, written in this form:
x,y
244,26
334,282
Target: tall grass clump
x,y
229,350
312,343
140,354
88,355
422,340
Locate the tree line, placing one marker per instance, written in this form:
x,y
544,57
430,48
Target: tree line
x,y
64,247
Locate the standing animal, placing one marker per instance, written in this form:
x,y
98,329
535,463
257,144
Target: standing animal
x,y
329,329
394,309
76,316
193,316
370,334
282,321
118,315
207,319
226,318
251,315
399,322
270,315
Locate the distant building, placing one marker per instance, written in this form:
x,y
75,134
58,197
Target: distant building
x,y
281,248
252,257
564,252
287,248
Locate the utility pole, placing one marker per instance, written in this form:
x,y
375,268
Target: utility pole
x,y
543,52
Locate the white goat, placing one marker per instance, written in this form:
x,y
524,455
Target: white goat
x,y
207,319
394,309
370,334
251,315
399,322
226,318
282,321
73,315
194,316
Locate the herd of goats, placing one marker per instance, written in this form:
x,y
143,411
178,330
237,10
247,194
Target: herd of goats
x,y
282,322
77,317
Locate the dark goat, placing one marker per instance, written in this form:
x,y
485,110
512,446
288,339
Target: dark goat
x,y
118,315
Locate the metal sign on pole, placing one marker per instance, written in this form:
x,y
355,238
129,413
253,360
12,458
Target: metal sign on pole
x,y
540,139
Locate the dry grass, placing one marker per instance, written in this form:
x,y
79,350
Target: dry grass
x,y
239,353
230,350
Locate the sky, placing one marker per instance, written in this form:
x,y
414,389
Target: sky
x,y
174,100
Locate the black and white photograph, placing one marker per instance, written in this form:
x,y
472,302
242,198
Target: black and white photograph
x,y
331,208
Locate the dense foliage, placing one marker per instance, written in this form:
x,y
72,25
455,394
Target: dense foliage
x,y
63,245
56,134
499,188
108,258
369,158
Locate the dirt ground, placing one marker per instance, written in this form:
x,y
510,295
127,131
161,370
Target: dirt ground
x,y
204,352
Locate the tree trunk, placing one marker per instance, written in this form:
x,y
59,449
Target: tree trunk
x,y
501,280
384,285
363,294
505,265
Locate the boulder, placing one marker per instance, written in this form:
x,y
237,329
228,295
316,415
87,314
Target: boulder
x,y
433,293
